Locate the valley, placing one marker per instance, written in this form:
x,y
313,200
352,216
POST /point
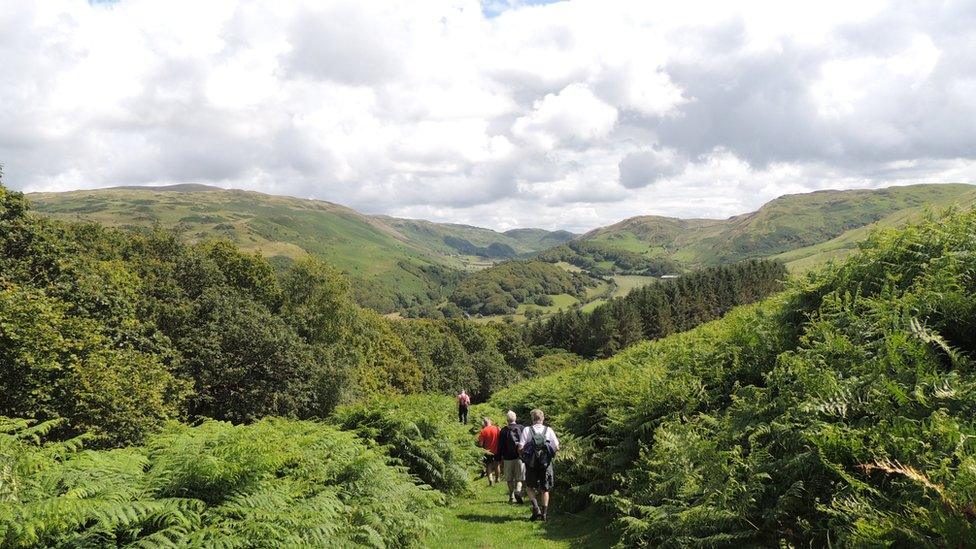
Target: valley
x,y
414,267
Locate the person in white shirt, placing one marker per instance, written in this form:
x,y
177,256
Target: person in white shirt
x,y
538,445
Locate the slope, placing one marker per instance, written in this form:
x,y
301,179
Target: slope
x,y
394,263
782,226
836,414
471,244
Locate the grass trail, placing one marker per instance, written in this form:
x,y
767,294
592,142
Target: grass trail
x,y
485,520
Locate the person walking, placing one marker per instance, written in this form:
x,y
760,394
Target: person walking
x,y
512,467
538,447
488,439
463,402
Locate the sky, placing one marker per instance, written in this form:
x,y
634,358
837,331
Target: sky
x,y
499,113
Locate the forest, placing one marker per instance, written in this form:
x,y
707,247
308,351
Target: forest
x,y
500,289
657,310
601,259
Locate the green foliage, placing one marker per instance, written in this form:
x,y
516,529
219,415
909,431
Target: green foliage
x,y
604,259
421,432
500,289
840,413
659,309
118,332
275,483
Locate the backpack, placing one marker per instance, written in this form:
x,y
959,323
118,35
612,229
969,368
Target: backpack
x,y
539,457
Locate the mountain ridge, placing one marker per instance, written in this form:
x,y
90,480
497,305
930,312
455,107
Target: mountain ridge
x,y
397,263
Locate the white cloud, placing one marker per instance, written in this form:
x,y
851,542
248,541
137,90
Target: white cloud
x,y
493,112
574,116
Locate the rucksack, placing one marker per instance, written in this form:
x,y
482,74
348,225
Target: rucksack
x,y
539,457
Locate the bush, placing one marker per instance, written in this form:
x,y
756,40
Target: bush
x,y
273,483
421,432
59,366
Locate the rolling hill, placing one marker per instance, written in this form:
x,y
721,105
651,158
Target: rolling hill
x,y
394,263
802,229
397,264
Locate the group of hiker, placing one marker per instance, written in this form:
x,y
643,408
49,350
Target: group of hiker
x,y
522,455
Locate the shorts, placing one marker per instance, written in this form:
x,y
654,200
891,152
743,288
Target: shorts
x,y
514,470
491,458
540,479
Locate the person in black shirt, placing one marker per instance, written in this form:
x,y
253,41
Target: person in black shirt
x,y
512,466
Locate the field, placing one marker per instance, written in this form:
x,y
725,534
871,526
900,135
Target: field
x,y
626,283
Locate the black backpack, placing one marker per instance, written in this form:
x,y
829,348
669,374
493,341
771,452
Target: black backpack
x,y
539,457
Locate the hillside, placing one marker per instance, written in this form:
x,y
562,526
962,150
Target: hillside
x,y
394,263
412,266
456,240
838,413
786,226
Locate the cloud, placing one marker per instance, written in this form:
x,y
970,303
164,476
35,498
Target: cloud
x,y
641,168
495,112
574,116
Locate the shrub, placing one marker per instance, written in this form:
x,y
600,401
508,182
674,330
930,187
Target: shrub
x,y
421,432
273,483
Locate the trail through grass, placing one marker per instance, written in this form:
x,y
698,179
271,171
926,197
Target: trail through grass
x,y
485,520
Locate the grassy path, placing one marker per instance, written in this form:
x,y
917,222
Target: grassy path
x,y
486,520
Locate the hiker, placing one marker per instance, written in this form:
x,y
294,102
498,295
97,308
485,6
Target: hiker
x,y
512,466
488,439
538,446
463,402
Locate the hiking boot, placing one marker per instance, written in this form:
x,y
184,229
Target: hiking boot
x,y
535,512
545,514
518,498
511,499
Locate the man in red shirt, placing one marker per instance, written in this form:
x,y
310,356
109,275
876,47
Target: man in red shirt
x,y
488,439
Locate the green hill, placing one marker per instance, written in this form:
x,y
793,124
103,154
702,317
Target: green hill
x,y
539,238
458,241
802,229
395,263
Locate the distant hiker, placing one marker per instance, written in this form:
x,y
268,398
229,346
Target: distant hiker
x,y
538,446
463,402
488,439
512,466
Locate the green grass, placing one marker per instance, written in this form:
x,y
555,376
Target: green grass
x,y
485,520
559,301
626,283
589,307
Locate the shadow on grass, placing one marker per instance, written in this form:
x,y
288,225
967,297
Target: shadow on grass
x,y
489,519
584,530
